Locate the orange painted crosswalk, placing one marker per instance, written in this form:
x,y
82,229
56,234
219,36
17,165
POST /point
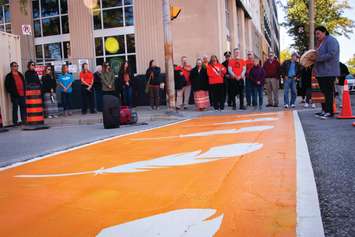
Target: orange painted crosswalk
x,y
229,175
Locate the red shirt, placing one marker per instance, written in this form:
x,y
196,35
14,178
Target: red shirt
x,y
272,69
237,66
216,73
19,84
249,64
87,77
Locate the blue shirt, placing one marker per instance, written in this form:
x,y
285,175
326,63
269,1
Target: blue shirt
x,y
65,80
292,70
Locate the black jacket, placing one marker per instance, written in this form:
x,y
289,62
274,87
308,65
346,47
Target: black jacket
x,y
344,71
226,64
179,79
31,78
199,80
156,80
48,83
121,79
10,84
286,66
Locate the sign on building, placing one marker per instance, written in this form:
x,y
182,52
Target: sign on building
x,y
26,29
40,70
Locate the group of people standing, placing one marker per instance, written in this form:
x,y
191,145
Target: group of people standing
x,y
93,87
216,83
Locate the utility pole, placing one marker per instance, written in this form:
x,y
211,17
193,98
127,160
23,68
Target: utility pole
x,y
312,13
168,51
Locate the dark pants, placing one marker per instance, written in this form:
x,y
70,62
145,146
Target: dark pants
x,y
87,100
326,85
228,91
257,93
98,99
248,91
218,95
18,102
154,94
111,111
237,89
66,103
127,94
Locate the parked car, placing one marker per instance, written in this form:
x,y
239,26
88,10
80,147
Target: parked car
x,y
351,83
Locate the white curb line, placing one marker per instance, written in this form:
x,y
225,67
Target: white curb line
x,y
37,158
309,220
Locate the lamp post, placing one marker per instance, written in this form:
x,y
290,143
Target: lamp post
x,y
312,13
168,53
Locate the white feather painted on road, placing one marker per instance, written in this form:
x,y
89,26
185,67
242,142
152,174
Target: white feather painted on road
x,y
210,133
184,222
181,159
247,121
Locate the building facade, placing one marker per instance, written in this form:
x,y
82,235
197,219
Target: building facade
x,y
74,30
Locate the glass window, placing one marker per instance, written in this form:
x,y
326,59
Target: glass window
x,y
97,19
2,27
7,13
49,8
51,26
113,18
115,62
8,28
65,25
129,16
53,51
131,44
111,3
99,61
63,6
1,16
99,47
37,28
132,63
128,2
121,45
39,52
35,9
66,48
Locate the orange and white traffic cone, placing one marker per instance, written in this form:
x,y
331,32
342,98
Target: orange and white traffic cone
x,y
346,112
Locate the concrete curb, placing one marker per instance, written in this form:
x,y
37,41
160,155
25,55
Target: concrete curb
x,y
309,220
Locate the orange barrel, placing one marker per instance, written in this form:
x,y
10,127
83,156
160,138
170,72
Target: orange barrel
x,y
34,106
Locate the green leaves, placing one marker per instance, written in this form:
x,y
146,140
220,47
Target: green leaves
x,y
329,13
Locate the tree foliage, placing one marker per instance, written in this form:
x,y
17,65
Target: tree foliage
x,y
284,55
351,65
329,13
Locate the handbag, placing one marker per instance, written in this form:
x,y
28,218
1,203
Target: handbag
x,y
146,90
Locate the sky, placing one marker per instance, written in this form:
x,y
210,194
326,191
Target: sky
x,y
347,46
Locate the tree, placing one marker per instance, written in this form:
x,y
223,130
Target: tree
x,y
329,13
285,54
351,65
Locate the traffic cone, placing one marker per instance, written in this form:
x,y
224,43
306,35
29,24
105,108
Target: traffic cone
x,y
334,106
346,112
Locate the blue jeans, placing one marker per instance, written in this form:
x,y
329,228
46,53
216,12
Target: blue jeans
x,y
290,84
248,90
127,94
257,92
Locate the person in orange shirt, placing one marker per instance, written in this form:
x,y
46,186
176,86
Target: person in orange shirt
x,y
237,70
87,94
183,95
249,63
216,72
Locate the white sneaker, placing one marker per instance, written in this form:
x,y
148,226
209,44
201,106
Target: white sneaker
x,y
306,105
293,106
313,106
286,106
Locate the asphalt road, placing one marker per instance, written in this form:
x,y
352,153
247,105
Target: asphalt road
x,y
332,150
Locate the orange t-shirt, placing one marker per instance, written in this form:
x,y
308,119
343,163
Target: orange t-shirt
x,y
237,66
249,64
216,73
88,77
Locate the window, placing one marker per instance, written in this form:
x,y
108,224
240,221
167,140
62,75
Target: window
x,y
113,13
5,17
50,17
126,51
52,52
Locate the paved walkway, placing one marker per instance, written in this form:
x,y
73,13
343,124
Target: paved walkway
x,y
227,175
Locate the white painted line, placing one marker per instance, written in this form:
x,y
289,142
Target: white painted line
x,y
85,145
309,220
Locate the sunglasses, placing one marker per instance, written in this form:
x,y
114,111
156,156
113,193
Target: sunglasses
x,y
15,66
